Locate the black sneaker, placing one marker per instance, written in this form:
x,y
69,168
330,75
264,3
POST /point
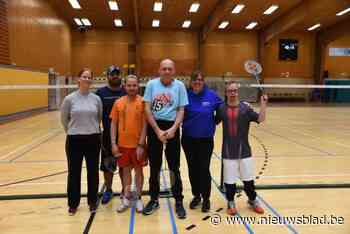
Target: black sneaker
x,y
206,206
72,211
93,209
196,201
151,207
180,210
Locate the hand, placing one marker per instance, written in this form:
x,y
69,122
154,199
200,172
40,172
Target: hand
x,y
264,99
139,153
162,136
115,151
170,133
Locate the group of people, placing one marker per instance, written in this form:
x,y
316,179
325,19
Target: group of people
x,y
137,129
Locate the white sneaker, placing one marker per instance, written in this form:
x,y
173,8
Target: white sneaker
x,y
124,205
139,206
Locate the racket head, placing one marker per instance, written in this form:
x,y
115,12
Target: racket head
x,y
253,67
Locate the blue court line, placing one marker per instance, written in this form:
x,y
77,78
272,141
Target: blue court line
x,y
132,220
290,227
172,218
247,226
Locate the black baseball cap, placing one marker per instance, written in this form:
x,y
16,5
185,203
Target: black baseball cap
x,y
113,70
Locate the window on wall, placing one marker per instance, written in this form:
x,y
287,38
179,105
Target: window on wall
x,y
339,52
288,49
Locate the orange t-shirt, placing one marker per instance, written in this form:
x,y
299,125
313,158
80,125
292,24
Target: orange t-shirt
x,y
130,118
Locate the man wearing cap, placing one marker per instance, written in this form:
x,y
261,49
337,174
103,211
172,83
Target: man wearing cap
x,y
109,94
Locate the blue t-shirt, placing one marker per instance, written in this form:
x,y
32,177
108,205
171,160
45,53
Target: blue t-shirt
x,y
165,100
108,97
199,120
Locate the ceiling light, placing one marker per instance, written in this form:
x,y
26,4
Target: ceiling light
x,y
238,9
270,10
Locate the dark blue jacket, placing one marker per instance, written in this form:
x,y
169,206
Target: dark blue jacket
x,y
199,119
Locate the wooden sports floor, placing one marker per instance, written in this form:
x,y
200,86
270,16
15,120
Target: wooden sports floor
x,y
298,145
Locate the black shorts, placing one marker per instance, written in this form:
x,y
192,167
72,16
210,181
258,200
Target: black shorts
x,y
106,149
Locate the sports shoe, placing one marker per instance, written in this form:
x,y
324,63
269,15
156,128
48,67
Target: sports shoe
x,y
124,205
231,208
139,206
255,206
107,196
93,208
151,207
72,211
206,206
180,210
196,201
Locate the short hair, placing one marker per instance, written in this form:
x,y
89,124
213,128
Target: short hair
x,y
84,70
230,83
131,77
195,74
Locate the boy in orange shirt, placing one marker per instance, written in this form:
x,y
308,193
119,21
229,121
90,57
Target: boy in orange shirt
x,y
128,120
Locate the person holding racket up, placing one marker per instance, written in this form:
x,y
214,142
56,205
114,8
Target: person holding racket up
x,y
236,116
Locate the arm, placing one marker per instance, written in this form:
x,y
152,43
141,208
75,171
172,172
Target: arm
x,y
65,114
179,118
217,117
100,110
219,104
115,149
151,121
263,106
113,130
142,141
180,112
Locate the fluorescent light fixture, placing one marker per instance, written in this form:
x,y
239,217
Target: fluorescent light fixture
x,y
75,4
113,5
224,24
78,21
252,25
270,10
343,12
155,23
86,22
238,9
194,7
118,23
186,24
158,6
314,27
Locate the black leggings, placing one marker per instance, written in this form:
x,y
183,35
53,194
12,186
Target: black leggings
x,y
77,148
198,153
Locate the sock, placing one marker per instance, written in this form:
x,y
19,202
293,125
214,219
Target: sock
x,y
249,189
230,191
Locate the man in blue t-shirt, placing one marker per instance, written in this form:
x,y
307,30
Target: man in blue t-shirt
x,y
109,94
165,99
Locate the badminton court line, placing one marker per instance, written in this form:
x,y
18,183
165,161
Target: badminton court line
x,y
171,212
290,227
24,149
315,137
296,142
246,225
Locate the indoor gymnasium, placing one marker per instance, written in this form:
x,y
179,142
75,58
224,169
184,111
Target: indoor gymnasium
x,y
174,116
